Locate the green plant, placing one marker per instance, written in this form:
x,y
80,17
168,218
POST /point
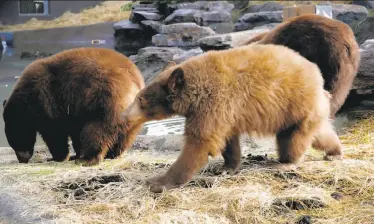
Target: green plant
x,y
371,12
127,7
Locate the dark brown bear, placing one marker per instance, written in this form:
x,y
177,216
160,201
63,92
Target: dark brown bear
x,y
78,93
329,43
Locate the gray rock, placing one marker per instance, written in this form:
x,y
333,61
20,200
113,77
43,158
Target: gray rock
x,y
369,4
226,41
153,25
265,7
206,18
364,30
204,5
349,14
199,5
367,45
182,16
240,5
146,10
181,35
142,6
222,6
250,20
223,27
268,26
200,17
127,25
130,37
364,81
178,58
151,60
138,16
34,55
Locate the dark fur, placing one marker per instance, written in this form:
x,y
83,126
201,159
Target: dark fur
x,y
329,43
78,93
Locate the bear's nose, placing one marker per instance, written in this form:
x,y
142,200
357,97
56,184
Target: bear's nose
x,y
23,156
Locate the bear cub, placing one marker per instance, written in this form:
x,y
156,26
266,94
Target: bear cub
x,y
265,90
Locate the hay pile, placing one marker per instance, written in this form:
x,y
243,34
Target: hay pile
x,y
114,192
108,11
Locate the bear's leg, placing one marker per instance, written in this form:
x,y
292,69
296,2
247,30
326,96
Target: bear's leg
x,y
327,140
57,143
124,141
293,142
341,88
76,142
193,157
232,154
118,147
96,139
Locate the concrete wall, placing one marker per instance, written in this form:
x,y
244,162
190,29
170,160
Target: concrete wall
x,y
9,10
58,39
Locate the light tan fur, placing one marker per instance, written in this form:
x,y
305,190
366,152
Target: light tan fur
x,y
261,90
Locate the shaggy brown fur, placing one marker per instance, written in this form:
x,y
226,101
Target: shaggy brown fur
x,y
254,89
329,43
78,93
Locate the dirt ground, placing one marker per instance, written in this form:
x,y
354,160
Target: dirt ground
x,y
114,192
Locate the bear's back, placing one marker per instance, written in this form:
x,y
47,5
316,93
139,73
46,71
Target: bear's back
x,y
259,65
84,78
320,40
263,81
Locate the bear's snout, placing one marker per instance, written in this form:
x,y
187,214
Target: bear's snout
x,y
133,114
23,156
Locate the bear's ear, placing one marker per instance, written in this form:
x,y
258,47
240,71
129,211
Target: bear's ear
x,y
168,65
176,80
4,102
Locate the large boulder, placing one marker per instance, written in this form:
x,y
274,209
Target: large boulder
x,y
204,5
180,57
210,17
130,37
268,26
219,21
369,4
155,26
143,7
250,20
151,60
364,82
349,14
364,30
138,16
182,16
367,45
226,41
265,7
181,35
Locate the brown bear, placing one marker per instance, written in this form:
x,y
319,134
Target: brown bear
x,y
329,43
257,89
79,93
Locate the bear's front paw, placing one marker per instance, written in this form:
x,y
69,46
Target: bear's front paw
x,y
283,166
162,183
333,157
230,169
87,162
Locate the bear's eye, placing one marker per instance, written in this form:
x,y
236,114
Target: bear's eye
x,y
141,100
